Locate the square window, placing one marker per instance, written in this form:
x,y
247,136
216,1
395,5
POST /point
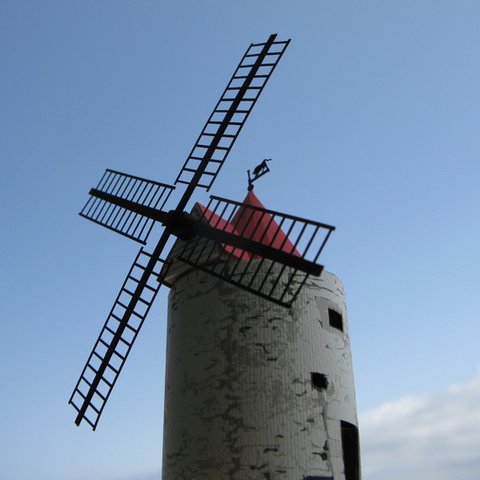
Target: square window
x,y
319,380
335,319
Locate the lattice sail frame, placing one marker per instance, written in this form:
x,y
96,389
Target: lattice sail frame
x,y
262,276
100,373
232,110
128,187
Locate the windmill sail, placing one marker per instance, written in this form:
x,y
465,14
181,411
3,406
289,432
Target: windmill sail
x,y
113,184
268,253
116,338
231,112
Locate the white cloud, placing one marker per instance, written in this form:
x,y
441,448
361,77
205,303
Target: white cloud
x,y
435,437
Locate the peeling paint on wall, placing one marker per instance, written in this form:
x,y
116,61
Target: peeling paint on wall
x,y
240,403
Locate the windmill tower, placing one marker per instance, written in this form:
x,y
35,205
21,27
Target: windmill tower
x,y
259,378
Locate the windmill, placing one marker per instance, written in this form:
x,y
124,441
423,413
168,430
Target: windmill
x,y
130,206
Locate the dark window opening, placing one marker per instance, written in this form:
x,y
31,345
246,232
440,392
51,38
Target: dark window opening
x,y
316,477
335,319
351,451
319,380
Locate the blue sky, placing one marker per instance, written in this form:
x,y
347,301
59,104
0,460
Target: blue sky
x,y
372,119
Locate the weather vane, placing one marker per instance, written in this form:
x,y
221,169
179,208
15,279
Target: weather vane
x,y
259,171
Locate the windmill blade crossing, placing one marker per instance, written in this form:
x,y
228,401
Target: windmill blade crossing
x,y
250,246
101,207
231,112
116,338
268,253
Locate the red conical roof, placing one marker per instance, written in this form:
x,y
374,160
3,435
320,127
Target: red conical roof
x,y
252,224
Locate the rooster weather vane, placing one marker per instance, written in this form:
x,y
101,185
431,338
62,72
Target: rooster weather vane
x,y
274,268
259,171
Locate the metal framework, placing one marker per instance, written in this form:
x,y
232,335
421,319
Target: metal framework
x,y
116,338
231,112
138,190
131,205
268,253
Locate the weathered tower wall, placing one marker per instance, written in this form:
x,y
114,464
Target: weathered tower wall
x,y
255,391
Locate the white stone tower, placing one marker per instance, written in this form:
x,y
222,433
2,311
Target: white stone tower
x,y
255,391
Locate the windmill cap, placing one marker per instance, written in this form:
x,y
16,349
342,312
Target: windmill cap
x,y
251,221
